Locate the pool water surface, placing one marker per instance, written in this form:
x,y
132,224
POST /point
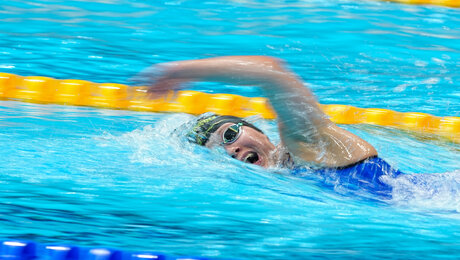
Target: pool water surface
x,y
129,180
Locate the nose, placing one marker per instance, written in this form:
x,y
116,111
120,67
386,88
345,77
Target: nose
x,y
233,151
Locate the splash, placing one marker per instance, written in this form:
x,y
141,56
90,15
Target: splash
x,y
158,144
437,191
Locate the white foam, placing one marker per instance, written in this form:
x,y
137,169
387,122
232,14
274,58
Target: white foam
x,y
436,191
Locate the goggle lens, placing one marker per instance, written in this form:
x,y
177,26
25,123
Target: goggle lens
x,y
232,133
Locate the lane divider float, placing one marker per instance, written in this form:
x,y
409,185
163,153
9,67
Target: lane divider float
x,y
28,250
448,3
118,96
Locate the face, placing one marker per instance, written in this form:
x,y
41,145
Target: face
x,y
251,146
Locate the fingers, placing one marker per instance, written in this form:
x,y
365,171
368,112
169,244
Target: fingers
x,y
159,89
163,86
160,79
158,95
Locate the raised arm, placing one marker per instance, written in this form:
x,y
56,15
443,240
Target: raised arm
x,y
305,130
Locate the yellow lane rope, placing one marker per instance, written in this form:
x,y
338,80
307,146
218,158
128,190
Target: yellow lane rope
x,y
118,96
449,3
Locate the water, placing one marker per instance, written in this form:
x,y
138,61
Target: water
x,y
124,179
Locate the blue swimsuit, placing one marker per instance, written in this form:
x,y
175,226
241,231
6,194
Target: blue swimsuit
x,y
364,175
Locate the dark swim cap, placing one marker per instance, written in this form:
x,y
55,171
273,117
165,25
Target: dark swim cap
x,y
208,124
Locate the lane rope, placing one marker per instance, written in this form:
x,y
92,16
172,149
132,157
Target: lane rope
x,y
448,3
118,96
29,250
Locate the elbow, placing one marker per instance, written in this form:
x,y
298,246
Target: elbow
x,y
273,63
266,62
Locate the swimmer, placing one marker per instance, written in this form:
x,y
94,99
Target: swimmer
x,y
307,135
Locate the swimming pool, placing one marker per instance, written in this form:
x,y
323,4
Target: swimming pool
x,y
96,177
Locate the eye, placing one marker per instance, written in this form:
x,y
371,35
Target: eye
x,y
230,134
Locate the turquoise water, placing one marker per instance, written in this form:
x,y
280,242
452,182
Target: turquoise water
x,y
126,180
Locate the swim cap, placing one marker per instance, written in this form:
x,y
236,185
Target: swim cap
x,y
208,124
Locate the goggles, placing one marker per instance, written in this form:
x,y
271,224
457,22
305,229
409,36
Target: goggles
x,y
209,123
232,133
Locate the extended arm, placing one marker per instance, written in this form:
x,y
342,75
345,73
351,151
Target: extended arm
x,y
305,130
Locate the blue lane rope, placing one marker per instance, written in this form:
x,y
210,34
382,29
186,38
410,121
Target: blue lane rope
x,y
28,250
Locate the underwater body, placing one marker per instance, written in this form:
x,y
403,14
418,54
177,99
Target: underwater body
x,y
128,180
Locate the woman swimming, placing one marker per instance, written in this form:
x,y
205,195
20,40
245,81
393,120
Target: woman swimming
x,y
307,135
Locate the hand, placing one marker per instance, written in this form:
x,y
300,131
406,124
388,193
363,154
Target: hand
x,y
164,86
161,79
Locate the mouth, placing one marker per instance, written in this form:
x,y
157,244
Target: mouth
x,y
252,158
